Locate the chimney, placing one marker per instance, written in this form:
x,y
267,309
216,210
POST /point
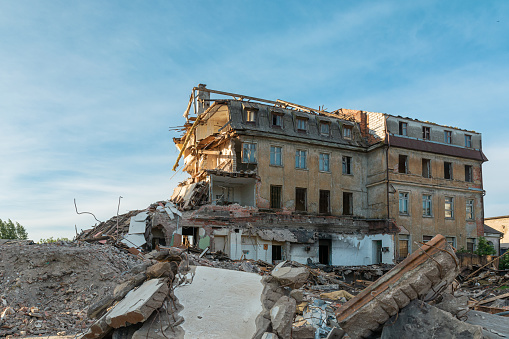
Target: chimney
x,y
203,97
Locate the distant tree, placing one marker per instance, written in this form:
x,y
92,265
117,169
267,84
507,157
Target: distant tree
x,y
484,247
11,230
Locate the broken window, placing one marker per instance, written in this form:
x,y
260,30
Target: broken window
x,y
347,132
250,116
451,241
426,238
324,202
275,196
347,165
300,159
277,120
403,203
323,163
427,205
249,153
468,173
468,140
277,253
471,245
426,132
447,170
403,168
449,207
276,156
470,209
402,128
347,203
404,247
447,137
300,199
325,128
302,124
426,168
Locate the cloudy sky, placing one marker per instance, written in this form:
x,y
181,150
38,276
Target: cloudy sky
x,y
89,89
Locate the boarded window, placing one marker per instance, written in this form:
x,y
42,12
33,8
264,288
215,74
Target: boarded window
x,y
426,168
324,207
275,196
468,173
347,203
300,199
403,164
447,170
403,243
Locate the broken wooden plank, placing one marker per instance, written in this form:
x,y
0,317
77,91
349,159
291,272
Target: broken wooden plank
x,y
482,302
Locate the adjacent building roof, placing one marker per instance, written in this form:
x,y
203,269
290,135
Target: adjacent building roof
x,y
491,230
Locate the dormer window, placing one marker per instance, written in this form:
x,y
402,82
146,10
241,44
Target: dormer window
x,y
448,137
426,133
277,120
324,128
251,116
302,124
403,128
347,132
468,140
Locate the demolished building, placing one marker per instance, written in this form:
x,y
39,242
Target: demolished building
x,y
273,180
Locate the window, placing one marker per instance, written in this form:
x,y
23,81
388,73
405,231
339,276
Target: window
x,y
302,124
470,209
323,163
471,245
451,241
300,199
277,120
402,128
275,196
300,159
347,203
468,140
468,173
426,132
426,168
403,164
403,203
347,165
249,153
250,116
347,132
447,137
324,202
427,207
325,128
404,241
449,207
275,156
426,238
447,170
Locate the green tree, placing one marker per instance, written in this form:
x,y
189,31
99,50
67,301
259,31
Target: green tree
x,y
503,264
484,247
11,230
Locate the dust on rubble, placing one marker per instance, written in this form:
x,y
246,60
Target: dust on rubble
x,y
46,289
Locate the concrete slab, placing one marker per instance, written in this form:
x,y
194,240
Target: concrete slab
x,y
220,303
138,304
142,216
137,226
136,240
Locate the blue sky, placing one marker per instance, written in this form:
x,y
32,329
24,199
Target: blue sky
x,y
88,89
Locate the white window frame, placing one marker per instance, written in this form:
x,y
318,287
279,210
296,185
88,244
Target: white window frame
x,y
250,157
276,153
299,158
427,204
449,207
302,124
403,128
279,119
403,202
324,162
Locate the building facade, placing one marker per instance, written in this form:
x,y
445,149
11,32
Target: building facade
x,y
367,187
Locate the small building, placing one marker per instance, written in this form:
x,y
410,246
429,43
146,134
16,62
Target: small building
x,y
500,224
493,237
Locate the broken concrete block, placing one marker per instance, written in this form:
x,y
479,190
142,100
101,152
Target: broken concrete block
x,y
138,304
161,269
494,326
336,333
140,268
161,325
452,304
271,292
98,308
268,335
420,320
298,295
303,332
281,316
263,324
98,330
433,265
293,277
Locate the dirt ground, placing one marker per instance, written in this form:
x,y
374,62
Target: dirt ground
x,y
46,289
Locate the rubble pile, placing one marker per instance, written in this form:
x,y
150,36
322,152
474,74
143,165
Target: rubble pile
x,y
46,289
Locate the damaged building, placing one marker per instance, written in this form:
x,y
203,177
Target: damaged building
x,y
273,180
